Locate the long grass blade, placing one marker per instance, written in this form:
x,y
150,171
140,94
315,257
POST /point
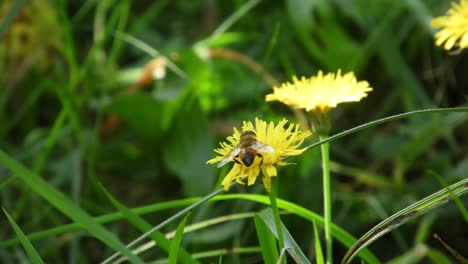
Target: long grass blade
x,y
32,253
152,52
266,240
190,228
319,259
289,243
107,218
341,235
167,221
218,253
175,244
401,217
414,255
459,257
140,223
65,205
385,120
234,17
457,201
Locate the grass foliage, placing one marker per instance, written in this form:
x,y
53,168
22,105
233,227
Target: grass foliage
x,y
111,105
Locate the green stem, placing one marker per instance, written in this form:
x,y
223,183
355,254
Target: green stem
x,y
327,198
279,230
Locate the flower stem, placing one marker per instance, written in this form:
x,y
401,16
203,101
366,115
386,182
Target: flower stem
x,y
327,198
279,230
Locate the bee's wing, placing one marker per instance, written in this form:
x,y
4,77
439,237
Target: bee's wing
x,y
262,147
230,156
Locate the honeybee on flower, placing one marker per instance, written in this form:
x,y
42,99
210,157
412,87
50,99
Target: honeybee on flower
x,y
258,148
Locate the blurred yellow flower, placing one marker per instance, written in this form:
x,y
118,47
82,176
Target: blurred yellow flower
x,y
322,92
454,27
275,143
33,38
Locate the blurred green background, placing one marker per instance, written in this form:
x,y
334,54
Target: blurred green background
x,y
86,97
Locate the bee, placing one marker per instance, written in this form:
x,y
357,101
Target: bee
x,y
247,149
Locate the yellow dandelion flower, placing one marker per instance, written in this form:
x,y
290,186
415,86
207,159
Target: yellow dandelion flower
x,y
321,92
257,149
454,27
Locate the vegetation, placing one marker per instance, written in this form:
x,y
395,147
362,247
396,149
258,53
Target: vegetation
x,y
109,111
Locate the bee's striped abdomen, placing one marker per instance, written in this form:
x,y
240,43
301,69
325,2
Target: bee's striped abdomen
x,y
247,139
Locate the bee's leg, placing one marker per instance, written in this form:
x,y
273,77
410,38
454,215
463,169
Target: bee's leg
x,y
260,156
236,160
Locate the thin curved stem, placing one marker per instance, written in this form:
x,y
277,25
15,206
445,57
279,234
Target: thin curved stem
x,y
327,211
385,120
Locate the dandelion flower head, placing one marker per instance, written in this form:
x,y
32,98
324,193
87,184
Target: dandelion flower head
x,y
284,141
453,27
320,92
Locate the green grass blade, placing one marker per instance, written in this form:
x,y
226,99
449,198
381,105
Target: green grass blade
x,y
159,238
107,218
401,217
234,17
191,228
151,51
459,257
272,43
385,120
32,253
51,140
218,253
341,235
65,205
267,241
175,244
457,201
415,255
318,247
167,221
290,244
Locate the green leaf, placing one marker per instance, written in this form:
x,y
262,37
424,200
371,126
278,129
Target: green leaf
x,y
290,244
401,217
205,85
141,112
187,149
158,237
32,253
65,205
175,244
318,247
267,241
